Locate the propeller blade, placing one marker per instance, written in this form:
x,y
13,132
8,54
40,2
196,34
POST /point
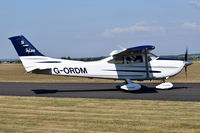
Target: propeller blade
x,y
186,54
186,72
186,59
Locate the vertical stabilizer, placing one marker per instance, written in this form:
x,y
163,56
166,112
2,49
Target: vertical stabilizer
x,y
28,54
24,47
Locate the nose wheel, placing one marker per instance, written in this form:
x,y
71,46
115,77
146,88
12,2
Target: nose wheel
x,y
164,85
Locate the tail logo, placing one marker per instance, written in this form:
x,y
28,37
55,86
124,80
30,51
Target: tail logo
x,y
24,47
28,50
22,42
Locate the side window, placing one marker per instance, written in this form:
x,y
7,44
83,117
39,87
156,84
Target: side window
x,y
134,59
127,59
118,60
138,59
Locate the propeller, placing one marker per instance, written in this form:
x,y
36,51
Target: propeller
x,y
187,63
186,54
186,59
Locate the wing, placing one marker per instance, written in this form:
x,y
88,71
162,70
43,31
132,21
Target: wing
x,y
135,50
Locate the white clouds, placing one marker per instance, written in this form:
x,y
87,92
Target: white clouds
x,y
191,25
138,27
143,29
195,3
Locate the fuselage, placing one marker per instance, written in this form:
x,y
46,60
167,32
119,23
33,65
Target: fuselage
x,y
159,68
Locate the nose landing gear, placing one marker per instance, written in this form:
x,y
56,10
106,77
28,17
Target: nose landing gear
x,y
164,85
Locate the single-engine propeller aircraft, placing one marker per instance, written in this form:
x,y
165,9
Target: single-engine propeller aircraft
x,y
136,63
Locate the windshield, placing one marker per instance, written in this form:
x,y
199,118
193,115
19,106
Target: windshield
x,y
152,56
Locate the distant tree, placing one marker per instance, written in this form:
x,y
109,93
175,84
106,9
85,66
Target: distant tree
x,y
66,58
84,59
17,61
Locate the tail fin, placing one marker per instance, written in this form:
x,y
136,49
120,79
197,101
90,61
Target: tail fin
x,y
28,54
24,47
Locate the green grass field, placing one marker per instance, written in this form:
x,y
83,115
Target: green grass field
x,y
16,73
63,115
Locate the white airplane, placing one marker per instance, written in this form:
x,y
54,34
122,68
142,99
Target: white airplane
x,y
136,63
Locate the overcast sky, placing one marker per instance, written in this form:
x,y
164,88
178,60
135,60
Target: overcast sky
x,y
89,28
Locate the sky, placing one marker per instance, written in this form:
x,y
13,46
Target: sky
x,y
91,28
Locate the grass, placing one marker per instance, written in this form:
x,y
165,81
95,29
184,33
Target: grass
x,y
60,115
16,73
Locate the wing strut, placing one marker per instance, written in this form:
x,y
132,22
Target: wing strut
x,y
146,63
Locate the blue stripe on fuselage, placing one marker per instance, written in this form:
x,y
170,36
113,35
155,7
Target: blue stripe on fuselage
x,y
161,58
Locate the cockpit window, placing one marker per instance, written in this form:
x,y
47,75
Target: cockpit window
x,y
134,59
127,59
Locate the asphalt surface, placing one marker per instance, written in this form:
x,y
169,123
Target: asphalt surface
x,y
180,91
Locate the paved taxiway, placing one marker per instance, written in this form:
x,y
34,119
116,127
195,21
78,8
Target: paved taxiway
x,y
180,92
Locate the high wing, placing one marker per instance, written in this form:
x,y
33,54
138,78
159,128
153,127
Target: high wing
x,y
135,50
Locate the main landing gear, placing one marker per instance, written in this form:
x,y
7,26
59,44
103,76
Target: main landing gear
x,y
129,86
164,85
